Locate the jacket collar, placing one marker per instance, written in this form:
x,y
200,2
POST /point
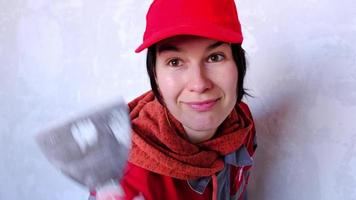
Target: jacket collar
x,y
239,158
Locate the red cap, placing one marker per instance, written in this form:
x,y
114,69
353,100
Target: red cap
x,y
214,19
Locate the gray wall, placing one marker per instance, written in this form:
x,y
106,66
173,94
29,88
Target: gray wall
x,y
58,58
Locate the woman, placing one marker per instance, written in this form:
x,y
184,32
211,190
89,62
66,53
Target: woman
x,y
192,138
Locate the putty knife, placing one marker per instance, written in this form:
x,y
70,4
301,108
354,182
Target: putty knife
x,y
91,149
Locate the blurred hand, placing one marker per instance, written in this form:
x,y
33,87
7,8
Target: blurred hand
x,y
114,196
111,192
110,197
114,192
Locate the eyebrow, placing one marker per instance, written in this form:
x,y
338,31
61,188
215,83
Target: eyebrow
x,y
170,47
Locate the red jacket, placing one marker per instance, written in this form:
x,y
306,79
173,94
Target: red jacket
x,y
153,186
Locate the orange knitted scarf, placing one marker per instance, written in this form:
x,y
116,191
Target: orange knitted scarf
x,y
159,141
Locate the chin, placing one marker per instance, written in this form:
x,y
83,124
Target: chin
x,y
203,125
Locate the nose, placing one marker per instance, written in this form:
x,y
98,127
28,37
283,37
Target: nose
x,y
199,80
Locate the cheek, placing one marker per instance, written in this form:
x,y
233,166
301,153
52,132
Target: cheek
x,y
167,85
227,79
233,79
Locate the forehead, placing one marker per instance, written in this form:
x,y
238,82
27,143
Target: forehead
x,y
182,42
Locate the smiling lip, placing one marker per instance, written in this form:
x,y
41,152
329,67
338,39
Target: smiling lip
x,y
202,106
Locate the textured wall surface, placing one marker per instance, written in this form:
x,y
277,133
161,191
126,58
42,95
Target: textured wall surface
x,y
58,58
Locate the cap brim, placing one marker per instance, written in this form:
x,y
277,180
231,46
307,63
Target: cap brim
x,y
208,30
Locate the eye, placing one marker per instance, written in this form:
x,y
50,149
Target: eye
x,y
175,62
216,58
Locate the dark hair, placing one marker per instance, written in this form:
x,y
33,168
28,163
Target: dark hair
x,y
238,54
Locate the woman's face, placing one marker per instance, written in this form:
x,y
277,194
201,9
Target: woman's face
x,y
197,79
